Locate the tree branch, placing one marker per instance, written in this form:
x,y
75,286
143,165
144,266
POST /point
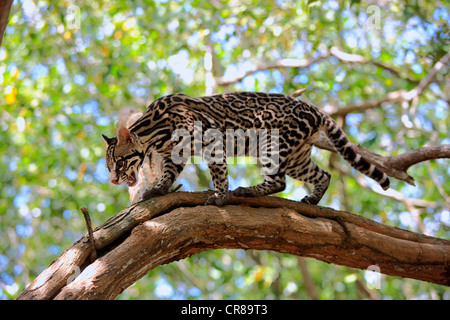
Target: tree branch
x,y
306,62
398,95
283,63
356,58
177,225
398,165
393,96
5,9
395,166
393,194
87,218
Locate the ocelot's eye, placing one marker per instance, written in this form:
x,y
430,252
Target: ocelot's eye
x,y
120,164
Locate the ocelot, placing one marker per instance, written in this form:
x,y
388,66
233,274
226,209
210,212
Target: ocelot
x,y
295,124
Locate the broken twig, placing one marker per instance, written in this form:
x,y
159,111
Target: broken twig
x,y
87,218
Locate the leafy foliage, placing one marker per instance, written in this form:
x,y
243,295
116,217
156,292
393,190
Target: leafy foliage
x,y
65,71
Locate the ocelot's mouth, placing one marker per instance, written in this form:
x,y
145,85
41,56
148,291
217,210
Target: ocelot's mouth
x,y
131,179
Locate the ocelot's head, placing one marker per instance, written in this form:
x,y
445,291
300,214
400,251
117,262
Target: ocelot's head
x,y
124,157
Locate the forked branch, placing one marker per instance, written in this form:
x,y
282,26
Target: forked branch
x,y
396,166
393,166
178,225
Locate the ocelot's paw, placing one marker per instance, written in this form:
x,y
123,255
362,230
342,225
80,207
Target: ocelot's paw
x,y
217,199
154,192
310,200
242,192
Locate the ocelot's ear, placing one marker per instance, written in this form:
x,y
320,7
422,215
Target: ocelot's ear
x,y
107,140
124,136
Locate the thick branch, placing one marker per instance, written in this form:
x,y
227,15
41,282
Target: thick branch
x,y
177,225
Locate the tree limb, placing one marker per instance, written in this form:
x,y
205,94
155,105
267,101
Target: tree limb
x,y
398,95
306,62
395,166
393,96
282,63
177,225
356,58
5,9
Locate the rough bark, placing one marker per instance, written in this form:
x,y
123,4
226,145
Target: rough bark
x,y
177,225
5,9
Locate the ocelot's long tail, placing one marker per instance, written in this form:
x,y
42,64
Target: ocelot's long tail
x,y
348,152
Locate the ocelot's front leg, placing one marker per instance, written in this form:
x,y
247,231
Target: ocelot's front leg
x,y
170,172
219,175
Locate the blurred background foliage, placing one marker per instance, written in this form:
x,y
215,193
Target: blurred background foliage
x,y
66,68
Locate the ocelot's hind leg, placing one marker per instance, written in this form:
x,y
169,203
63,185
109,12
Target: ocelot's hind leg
x,y
273,168
272,184
314,175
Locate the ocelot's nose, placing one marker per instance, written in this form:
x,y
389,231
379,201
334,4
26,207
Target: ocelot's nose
x,y
115,180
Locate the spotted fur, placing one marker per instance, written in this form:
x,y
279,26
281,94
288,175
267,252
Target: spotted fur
x,y
298,123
